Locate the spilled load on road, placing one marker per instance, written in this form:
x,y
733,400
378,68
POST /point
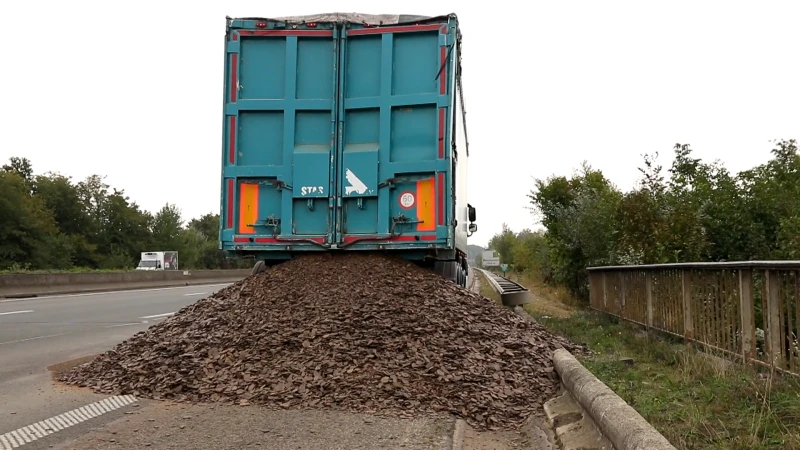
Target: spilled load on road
x,y
353,332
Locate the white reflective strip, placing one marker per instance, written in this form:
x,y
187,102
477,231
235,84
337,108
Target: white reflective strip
x,y
30,433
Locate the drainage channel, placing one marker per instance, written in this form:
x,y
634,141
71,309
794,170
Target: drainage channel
x,y
511,293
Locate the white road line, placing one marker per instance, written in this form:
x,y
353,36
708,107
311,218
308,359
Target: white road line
x,y
87,294
16,312
157,315
125,324
196,293
34,338
26,435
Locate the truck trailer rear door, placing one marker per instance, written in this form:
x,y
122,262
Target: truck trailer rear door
x,y
280,127
393,160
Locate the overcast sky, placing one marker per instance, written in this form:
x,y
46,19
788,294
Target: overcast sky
x,y
134,92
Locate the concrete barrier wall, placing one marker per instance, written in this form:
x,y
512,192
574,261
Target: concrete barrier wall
x,y
49,283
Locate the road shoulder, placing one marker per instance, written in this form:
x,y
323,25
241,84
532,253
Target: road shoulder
x,y
168,425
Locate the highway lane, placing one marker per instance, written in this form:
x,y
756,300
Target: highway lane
x,y
39,332
38,317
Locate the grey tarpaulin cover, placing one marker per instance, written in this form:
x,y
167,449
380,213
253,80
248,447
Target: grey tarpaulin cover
x,y
367,19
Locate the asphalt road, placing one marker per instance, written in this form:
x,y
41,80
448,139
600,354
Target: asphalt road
x,y
40,332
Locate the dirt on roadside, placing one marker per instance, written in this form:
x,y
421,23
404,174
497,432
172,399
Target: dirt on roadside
x,y
174,426
535,435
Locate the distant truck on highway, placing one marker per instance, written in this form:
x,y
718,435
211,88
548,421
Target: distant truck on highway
x,y
158,261
345,132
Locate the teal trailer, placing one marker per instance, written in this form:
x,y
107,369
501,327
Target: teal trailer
x,y
345,132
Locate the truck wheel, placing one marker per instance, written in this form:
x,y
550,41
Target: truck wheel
x,y
259,267
447,270
452,272
460,268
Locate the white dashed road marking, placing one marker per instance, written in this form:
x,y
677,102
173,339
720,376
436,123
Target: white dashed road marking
x,y
16,312
34,338
195,293
126,324
157,316
38,430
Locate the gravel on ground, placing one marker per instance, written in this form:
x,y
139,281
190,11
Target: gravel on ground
x,y
180,426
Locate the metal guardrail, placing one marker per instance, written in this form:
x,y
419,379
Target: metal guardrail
x,y
511,293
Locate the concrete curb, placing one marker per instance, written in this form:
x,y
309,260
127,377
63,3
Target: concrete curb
x,y
625,428
458,434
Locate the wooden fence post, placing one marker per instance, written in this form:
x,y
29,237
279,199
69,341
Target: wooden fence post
x,y
747,314
688,324
621,301
796,341
773,314
648,287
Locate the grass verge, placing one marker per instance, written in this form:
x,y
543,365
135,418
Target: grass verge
x,y
695,400
487,290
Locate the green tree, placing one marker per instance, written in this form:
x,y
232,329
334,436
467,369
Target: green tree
x,y
698,212
167,227
63,198
124,232
580,216
208,225
27,227
50,222
23,168
774,199
193,244
503,244
530,252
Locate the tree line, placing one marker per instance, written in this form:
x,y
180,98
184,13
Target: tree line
x,y
50,222
693,211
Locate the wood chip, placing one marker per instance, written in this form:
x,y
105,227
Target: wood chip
x,y
354,332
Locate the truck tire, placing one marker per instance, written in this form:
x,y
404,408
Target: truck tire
x,y
465,269
454,274
259,267
447,270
